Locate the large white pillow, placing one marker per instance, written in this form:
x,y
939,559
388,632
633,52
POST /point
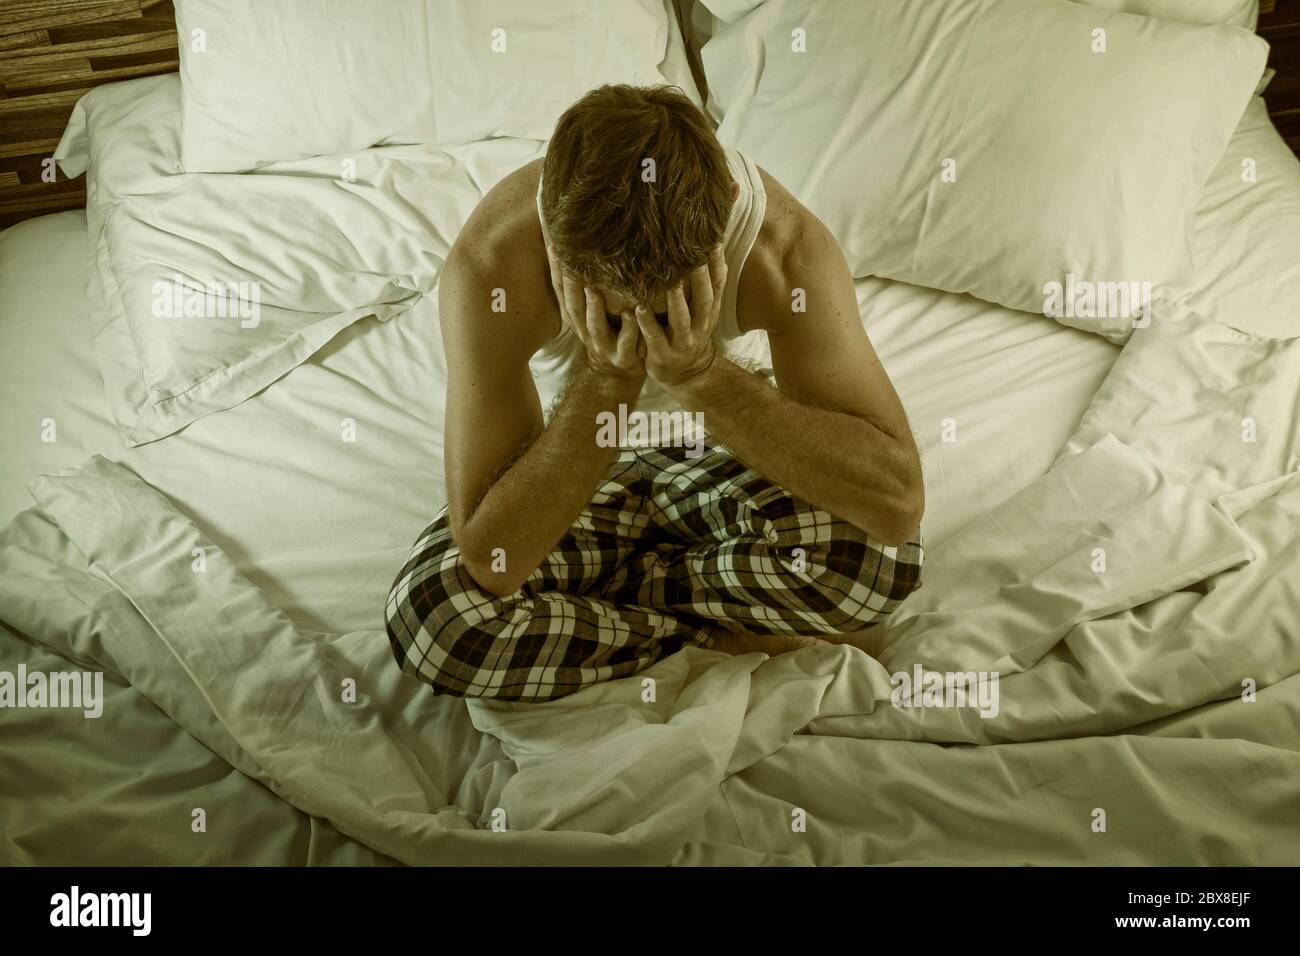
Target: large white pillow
x,y
1247,242
300,257
1237,13
701,16
322,242
987,146
271,81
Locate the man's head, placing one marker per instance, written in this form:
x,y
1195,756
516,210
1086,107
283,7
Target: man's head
x,y
635,191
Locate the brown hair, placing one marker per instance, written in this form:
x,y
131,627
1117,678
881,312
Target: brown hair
x,y
609,226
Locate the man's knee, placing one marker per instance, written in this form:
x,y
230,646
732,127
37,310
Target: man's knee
x,y
862,581
441,625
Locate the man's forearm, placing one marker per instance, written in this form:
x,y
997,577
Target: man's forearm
x,y
535,501
835,461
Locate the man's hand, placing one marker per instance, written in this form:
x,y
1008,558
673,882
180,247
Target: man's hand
x,y
583,310
685,349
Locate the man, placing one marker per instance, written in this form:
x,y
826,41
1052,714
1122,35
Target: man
x,y
631,257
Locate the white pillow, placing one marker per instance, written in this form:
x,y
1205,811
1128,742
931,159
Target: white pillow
x,y
983,146
701,16
1248,233
321,241
1237,13
264,82
728,10
302,256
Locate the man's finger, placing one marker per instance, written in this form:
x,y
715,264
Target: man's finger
x,y
572,297
718,274
557,283
597,325
701,297
679,314
718,271
651,334
679,318
629,338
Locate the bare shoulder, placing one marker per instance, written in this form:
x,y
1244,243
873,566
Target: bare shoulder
x,y
789,245
500,247
505,220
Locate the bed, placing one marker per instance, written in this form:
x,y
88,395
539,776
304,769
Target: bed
x,y
220,547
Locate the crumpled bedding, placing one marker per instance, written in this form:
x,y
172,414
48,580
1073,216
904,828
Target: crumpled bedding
x,y
1136,603
706,758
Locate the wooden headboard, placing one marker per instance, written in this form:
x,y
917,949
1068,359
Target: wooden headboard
x,y
1279,24
52,51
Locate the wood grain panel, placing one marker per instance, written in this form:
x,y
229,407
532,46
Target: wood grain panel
x,y
1281,28
52,51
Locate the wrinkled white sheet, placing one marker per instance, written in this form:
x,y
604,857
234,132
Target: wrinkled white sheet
x,y
1195,384
709,765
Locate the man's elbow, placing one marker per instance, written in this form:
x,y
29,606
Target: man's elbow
x,y
500,584
910,505
898,510
903,521
492,572
893,524
488,567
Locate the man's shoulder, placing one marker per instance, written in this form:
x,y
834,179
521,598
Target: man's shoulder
x,y
773,267
497,267
504,226
501,246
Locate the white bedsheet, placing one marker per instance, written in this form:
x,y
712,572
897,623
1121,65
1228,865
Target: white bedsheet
x,y
711,766
1122,692
322,525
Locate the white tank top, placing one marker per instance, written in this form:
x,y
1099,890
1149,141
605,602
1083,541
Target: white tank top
x,y
550,365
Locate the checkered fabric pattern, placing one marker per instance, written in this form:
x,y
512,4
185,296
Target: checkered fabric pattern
x,y
669,550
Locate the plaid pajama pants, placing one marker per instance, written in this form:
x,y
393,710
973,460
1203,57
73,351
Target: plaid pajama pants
x,y
669,550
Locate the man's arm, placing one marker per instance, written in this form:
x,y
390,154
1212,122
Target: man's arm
x,y
512,484
835,434
844,463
